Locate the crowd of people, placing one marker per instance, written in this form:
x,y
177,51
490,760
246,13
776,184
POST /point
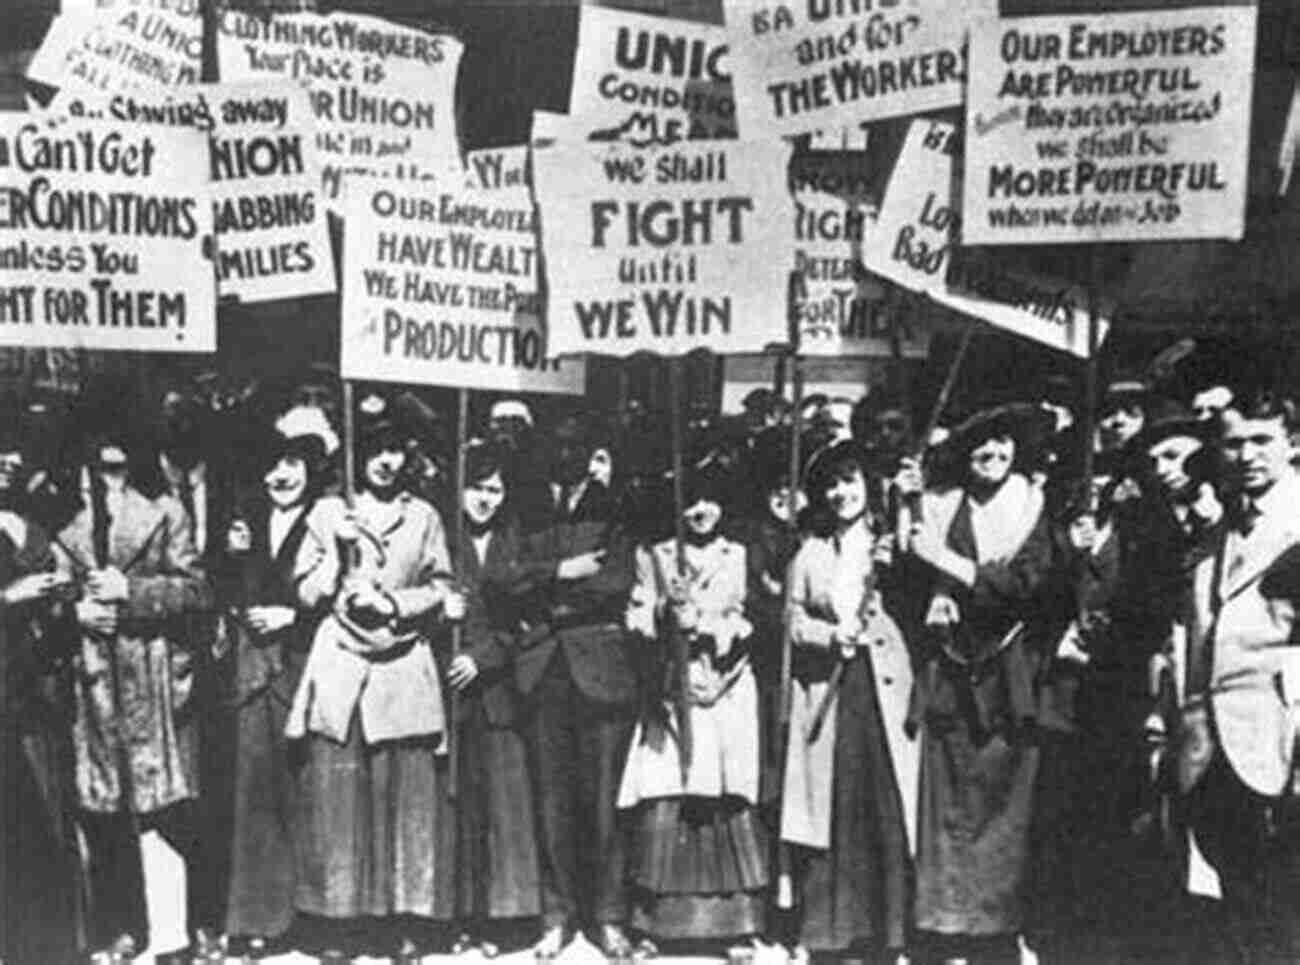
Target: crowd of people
x,y
1004,691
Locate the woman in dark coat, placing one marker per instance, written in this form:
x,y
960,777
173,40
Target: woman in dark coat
x,y
498,876
849,797
271,632
986,546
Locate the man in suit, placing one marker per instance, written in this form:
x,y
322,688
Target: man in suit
x,y
1236,746
574,670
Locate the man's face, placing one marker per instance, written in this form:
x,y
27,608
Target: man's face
x,y
11,471
1210,402
110,464
508,430
889,430
572,455
702,516
778,503
1257,452
1120,421
847,495
1169,462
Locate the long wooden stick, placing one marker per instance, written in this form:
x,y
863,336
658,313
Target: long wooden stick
x,y
457,630
349,445
681,649
784,858
1090,387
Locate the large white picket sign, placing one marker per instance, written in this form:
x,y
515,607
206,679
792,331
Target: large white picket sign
x,y
383,94
102,236
665,250
1112,127
440,287
272,236
650,80
828,64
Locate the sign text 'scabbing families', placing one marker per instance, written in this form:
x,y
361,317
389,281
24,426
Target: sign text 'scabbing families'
x,y
383,95
272,237
102,230
1117,127
804,65
650,80
441,287
664,250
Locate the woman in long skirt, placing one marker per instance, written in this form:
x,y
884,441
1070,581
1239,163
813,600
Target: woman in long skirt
x,y
498,874
849,800
987,547
699,866
268,549
375,829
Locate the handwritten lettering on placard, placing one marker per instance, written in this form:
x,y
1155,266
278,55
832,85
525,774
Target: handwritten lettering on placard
x,y
1116,127
664,250
102,232
827,64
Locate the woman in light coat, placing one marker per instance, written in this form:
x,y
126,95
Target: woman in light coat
x,y
850,792
699,868
375,829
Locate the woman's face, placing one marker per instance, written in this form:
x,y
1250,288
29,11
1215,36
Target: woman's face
x,y
483,497
990,461
601,466
702,516
384,467
847,494
286,482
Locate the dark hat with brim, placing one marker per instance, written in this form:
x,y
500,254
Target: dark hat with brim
x,y
1026,423
1167,419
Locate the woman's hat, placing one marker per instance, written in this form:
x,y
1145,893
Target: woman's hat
x,y
1167,418
1026,423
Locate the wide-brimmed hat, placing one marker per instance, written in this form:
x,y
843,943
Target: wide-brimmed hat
x,y
1167,418
1025,422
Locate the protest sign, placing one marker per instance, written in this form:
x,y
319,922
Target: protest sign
x,y
911,240
914,244
383,94
1048,310
664,249
799,67
1113,127
440,288
272,236
839,308
120,48
499,167
102,235
650,80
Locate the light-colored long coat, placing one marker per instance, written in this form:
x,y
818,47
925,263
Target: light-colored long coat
x,y
724,736
151,542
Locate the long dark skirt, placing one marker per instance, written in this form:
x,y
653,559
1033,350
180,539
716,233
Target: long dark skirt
x,y
976,806
261,892
699,868
857,893
374,830
497,865
38,885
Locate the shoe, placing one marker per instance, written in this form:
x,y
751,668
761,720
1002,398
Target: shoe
x,y
551,944
489,949
615,944
408,953
122,951
645,950
463,945
209,948
254,951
